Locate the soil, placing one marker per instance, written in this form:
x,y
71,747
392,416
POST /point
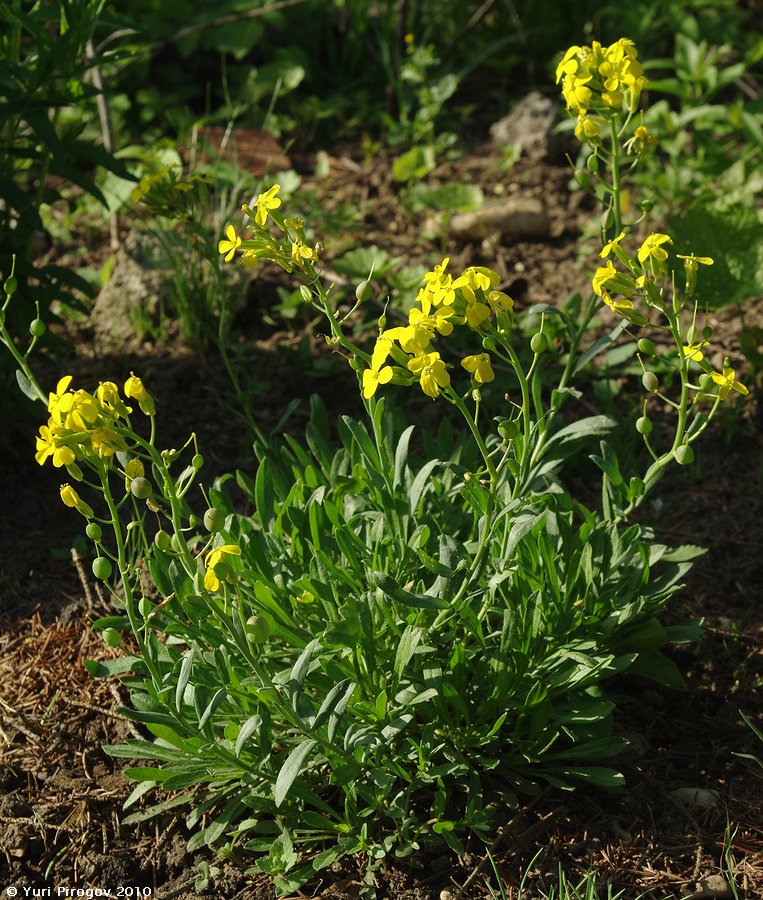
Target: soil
x,y
690,821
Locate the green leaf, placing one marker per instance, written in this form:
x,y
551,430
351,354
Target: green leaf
x,y
455,197
291,768
657,667
401,455
421,482
25,386
212,707
183,676
107,667
252,724
414,164
409,640
301,666
358,263
393,590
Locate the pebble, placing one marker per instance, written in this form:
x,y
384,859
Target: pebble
x,y
518,218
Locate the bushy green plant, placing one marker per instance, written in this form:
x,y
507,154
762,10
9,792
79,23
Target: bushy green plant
x,y
402,636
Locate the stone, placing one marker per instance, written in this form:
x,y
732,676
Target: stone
x,y
517,218
529,126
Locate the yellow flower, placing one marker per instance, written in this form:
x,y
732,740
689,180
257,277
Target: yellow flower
x,y
232,243
432,373
301,253
372,378
652,248
500,301
106,442
602,276
576,94
691,262
412,338
569,64
727,381
135,389
265,202
436,321
612,246
694,351
479,366
48,443
108,395
214,558
133,469
71,498
587,127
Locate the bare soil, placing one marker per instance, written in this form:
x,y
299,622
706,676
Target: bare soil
x,y
62,796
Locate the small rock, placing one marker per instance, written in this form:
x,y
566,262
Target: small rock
x,y
712,887
446,895
696,797
518,218
528,126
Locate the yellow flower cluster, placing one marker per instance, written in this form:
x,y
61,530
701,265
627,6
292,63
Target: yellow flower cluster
x,y
82,424
599,81
442,303
637,283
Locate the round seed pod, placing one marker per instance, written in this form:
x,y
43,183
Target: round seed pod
x,y
93,531
508,430
198,461
145,606
684,455
111,637
102,568
650,381
644,425
646,347
10,285
37,328
141,488
214,520
539,343
162,540
257,629
363,291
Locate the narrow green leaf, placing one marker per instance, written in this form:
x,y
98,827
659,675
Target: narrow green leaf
x,y
291,768
214,704
252,724
401,455
409,640
183,676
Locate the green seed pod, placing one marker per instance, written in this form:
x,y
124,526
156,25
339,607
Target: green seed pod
x,y
214,520
162,540
198,461
102,568
488,343
363,291
684,455
176,544
646,347
508,430
644,425
539,343
307,294
650,381
10,285
636,487
257,629
93,531
111,637
145,606
707,333
706,381
37,328
141,488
